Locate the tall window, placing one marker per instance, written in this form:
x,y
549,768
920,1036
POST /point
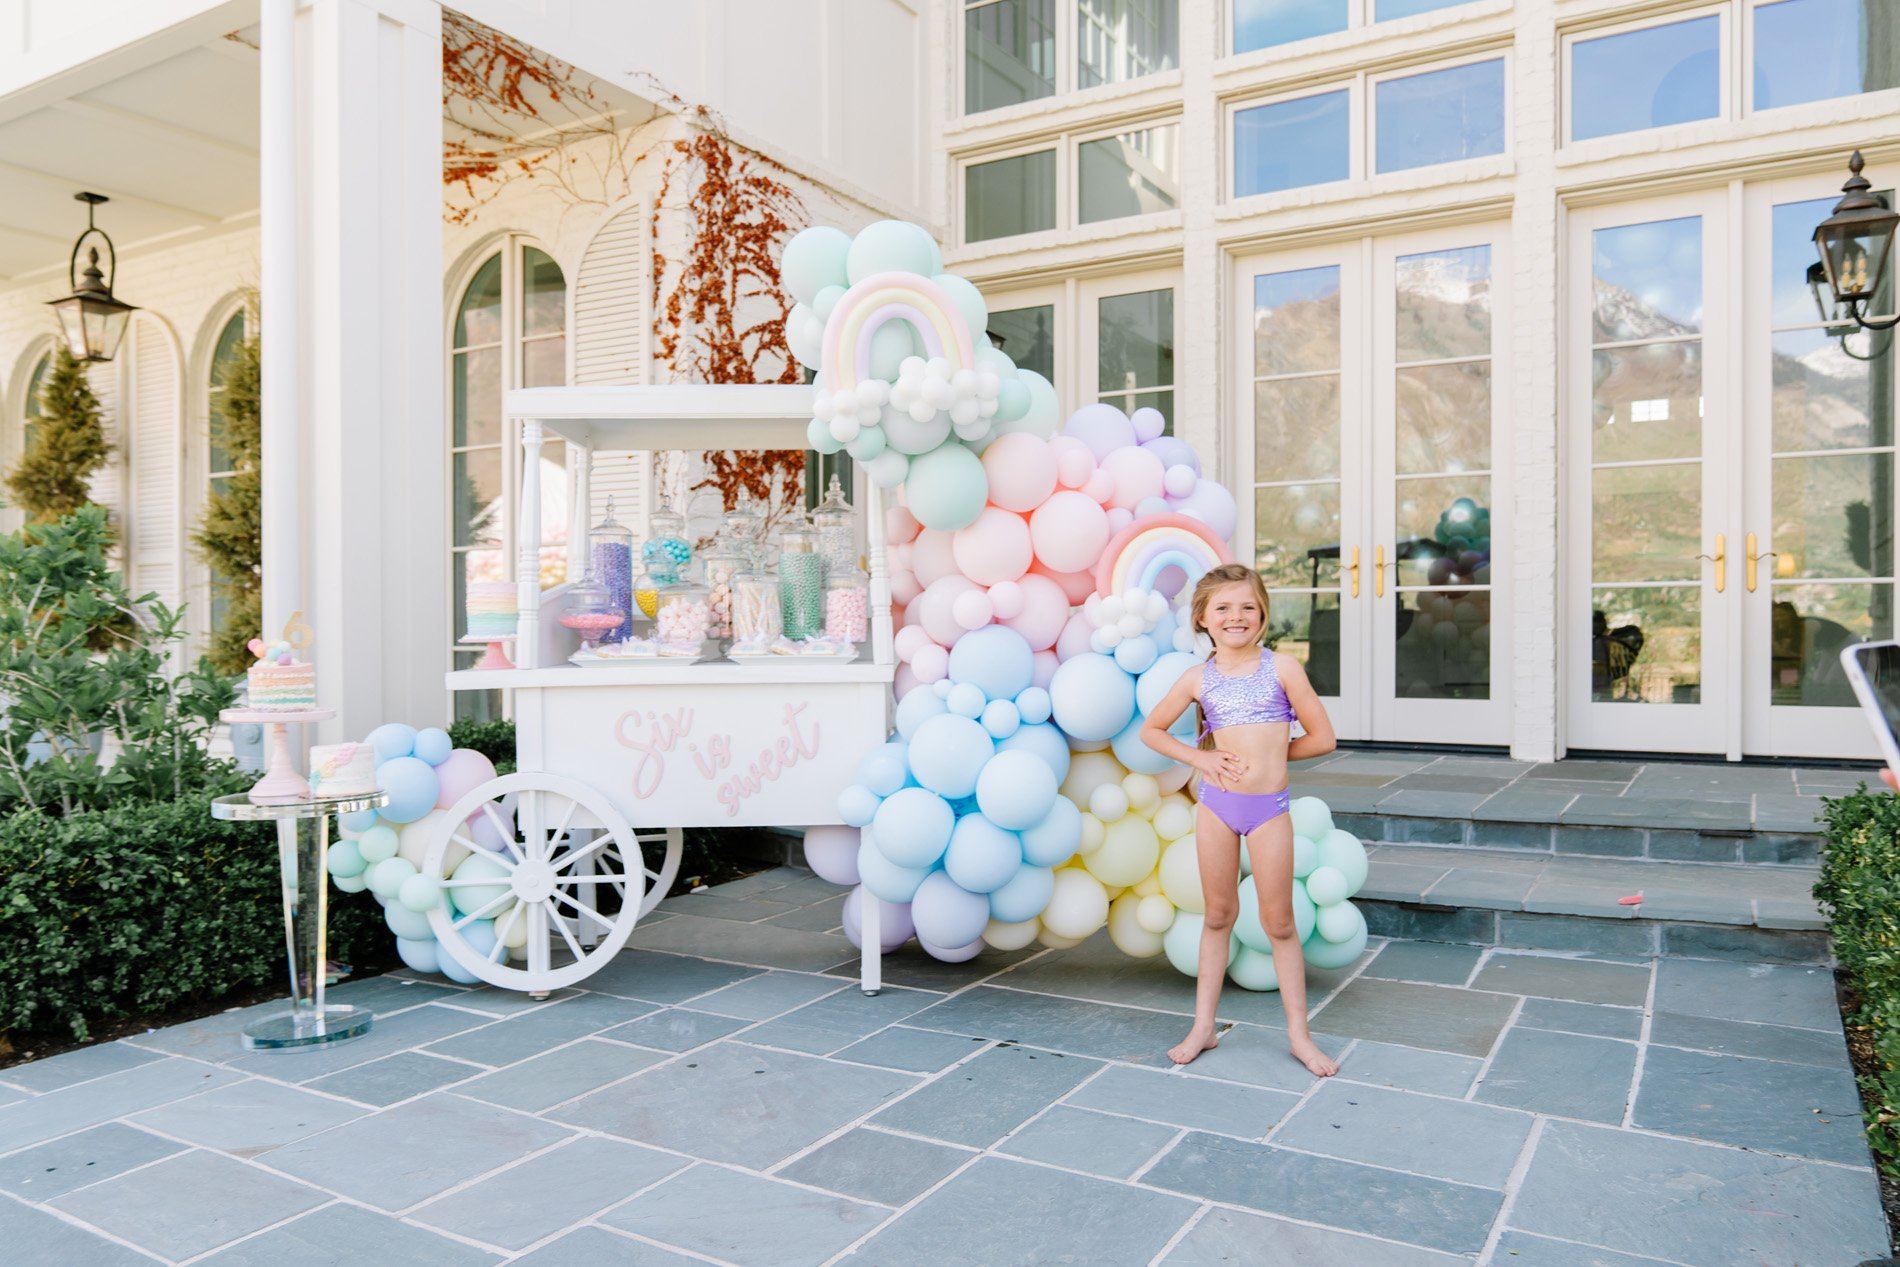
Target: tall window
x,y
1028,336
510,331
1266,23
1009,52
1124,39
218,467
1020,50
1134,352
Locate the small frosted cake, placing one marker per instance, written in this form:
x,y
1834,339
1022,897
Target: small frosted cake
x,y
342,769
279,681
491,610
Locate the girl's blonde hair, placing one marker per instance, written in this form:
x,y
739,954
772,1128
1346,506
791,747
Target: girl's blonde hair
x,y
1226,574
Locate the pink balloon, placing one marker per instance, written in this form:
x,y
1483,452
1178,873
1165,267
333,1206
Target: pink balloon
x,y
893,921
1212,504
1022,471
995,547
832,852
1100,486
1137,474
1076,585
1074,638
905,587
1045,663
1045,611
972,610
462,772
936,612
930,664
904,682
1074,462
933,556
1007,598
908,642
1119,518
1069,531
899,525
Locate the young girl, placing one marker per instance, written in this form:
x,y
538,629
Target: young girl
x,y
1248,697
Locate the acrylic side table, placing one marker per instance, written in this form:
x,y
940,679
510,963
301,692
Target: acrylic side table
x,y
303,846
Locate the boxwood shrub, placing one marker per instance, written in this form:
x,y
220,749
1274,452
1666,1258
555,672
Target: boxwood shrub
x,y
1859,889
140,908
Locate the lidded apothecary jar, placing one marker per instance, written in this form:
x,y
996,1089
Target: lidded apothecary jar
x,y
836,525
801,583
610,564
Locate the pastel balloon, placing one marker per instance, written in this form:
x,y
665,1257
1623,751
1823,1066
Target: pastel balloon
x,y
887,246
1148,423
947,914
982,856
1043,741
1305,857
1327,887
1173,451
1006,597
890,882
1077,638
915,709
893,921
995,659
1054,839
857,806
1155,913
433,745
1128,853
418,955
1136,475
1174,817
930,664
965,698
1212,504
1075,586
460,773
386,877
952,954
1339,921
968,300
911,828
1180,873
492,884
1044,410
936,612
832,853
933,556
1023,896
421,893
1011,935
908,435
1069,531
1311,817
1044,611
946,754
411,785
1102,427
1182,943
972,610
1125,929
1092,698
1253,970
947,488
392,740
814,259
346,860
1077,906
1322,953
1021,470
1160,677
995,548
1132,751
378,843
1342,851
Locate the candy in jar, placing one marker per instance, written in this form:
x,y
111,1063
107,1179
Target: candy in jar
x,y
723,564
684,617
836,526
610,564
847,606
590,611
801,583
666,552
755,608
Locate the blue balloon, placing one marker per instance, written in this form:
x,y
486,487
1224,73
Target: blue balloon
x,y
982,856
966,700
407,924
419,956
888,246
480,936
412,788
1054,839
813,260
392,740
946,914
887,881
434,745
995,658
912,828
1001,718
1033,704
1015,790
1136,655
857,805
917,708
884,769
1045,741
1024,896
1093,698
948,752
1136,755
357,820
1157,680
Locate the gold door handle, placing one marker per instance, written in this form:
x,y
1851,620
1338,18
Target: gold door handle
x,y
1720,559
1353,569
1753,558
1378,572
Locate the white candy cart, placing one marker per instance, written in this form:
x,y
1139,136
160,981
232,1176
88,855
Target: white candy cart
x,y
613,761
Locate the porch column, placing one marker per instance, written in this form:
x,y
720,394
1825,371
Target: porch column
x,y
370,484
1201,407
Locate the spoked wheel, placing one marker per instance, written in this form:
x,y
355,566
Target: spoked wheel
x,y
544,881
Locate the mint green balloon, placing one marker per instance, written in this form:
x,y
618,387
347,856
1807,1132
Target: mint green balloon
x,y
1336,954
350,883
1305,857
1311,818
346,860
813,261
1305,913
1253,970
1248,928
378,844
1327,887
386,877
1339,922
889,246
1342,851
420,893
1182,943
946,487
471,898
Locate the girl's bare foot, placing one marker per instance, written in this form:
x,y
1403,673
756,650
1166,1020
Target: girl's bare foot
x,y
1197,1041
1316,1061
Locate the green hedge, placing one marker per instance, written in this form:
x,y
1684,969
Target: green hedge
x,y
139,908
493,739
1859,889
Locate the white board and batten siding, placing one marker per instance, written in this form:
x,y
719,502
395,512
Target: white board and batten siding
x,y
611,325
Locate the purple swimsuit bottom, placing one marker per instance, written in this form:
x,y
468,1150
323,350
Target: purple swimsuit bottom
x,y
1243,701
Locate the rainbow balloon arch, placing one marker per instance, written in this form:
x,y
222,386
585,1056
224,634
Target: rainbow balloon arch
x,y
1039,569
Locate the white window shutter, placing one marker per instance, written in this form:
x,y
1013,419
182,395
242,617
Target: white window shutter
x,y
108,482
610,346
154,539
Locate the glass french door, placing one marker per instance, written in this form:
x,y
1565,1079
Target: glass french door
x,y
1373,435
1732,500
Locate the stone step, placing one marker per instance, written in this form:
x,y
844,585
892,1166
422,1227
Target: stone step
x,y
1660,839
1552,901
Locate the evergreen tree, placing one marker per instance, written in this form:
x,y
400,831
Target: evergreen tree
x,y
229,537
53,477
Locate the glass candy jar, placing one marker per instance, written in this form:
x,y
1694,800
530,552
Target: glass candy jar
x,y
589,609
756,619
610,564
801,583
742,527
836,525
666,552
847,604
683,617
723,564
645,592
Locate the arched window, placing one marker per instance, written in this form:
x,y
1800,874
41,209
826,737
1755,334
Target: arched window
x,y
218,465
510,331
30,411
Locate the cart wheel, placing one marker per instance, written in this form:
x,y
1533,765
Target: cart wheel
x,y
671,844
567,884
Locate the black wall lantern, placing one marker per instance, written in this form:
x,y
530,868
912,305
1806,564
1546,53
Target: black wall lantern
x,y
1855,243
91,320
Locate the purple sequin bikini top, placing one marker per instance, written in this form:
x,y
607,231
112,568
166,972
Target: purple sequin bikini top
x,y
1242,701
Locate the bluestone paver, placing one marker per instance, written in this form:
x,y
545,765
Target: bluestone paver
x,y
102,1099
664,978
343,1233
1181,1100
597,1247
58,1166
675,1029
531,1033
746,1219
766,995
1410,1069
1582,1018
912,1050
403,1076
1565,1074
542,1195
1257,1055
1436,1017
876,1166
1441,963
1769,994
760,945
1579,980
190,1203
1759,1104
1084,1029
72,1067
541,1082
984,1099
1426,1135
1824,1048
1096,1143
38,1238
248,1118
1224,1237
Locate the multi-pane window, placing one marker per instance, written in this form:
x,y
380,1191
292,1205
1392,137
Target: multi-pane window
x,y
510,331
1649,77
1440,116
1811,50
1287,144
1008,196
1266,23
1021,50
1129,174
1296,476
1027,335
218,466
1134,352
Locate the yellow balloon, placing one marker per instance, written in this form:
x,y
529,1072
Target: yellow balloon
x,y
1011,936
511,930
1093,833
1126,931
1174,817
1077,907
1127,855
1181,876
1053,942
1143,793
1154,913
413,841
1148,887
1088,771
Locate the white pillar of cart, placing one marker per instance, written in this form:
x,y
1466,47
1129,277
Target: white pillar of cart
x,y
355,484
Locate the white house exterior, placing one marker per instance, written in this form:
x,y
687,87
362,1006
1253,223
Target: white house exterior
x,y
1371,256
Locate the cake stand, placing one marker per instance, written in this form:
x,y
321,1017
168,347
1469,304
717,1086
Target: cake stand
x,y
497,655
281,782
303,846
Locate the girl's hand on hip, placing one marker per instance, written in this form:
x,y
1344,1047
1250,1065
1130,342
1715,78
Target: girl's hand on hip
x,y
1221,768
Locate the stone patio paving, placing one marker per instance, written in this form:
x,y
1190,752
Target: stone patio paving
x,y
724,1093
